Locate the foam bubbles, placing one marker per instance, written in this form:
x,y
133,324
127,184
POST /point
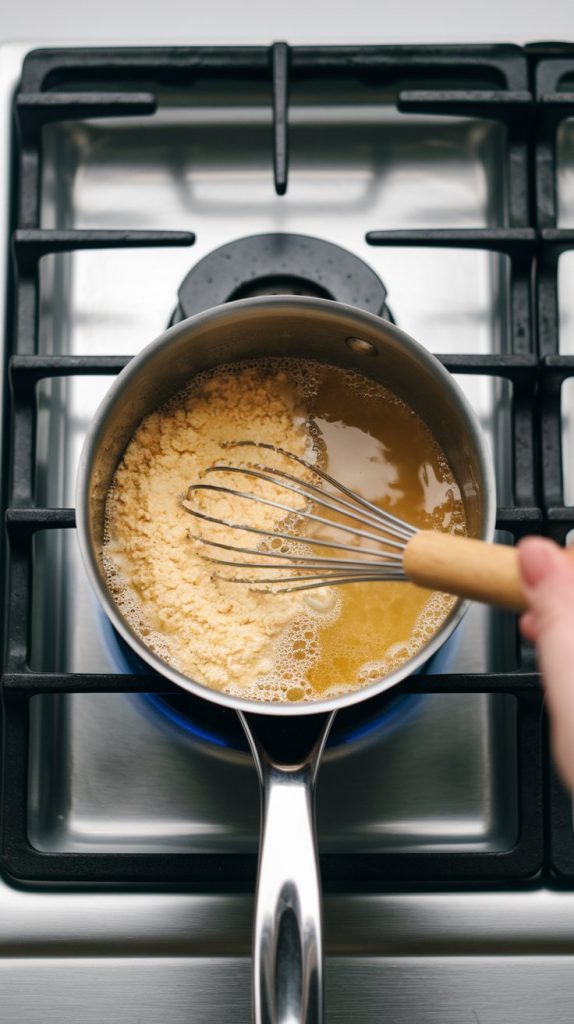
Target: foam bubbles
x,y
426,625
294,654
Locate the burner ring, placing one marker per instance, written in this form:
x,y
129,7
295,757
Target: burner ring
x,y
280,264
380,721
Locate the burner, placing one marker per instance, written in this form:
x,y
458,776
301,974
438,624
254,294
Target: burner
x,y
348,730
280,265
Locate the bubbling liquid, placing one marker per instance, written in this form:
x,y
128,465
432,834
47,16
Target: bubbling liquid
x,y
329,640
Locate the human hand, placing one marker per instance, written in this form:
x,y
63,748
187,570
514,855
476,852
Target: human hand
x,y
548,578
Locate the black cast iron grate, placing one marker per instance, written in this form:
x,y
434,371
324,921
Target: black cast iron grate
x,y
522,88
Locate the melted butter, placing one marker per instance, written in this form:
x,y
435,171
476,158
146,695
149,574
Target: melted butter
x,y
380,448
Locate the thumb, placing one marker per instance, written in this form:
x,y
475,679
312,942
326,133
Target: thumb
x,y
548,578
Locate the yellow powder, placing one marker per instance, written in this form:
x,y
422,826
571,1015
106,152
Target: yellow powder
x,y
216,632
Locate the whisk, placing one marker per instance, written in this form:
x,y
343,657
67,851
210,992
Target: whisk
x,y
385,547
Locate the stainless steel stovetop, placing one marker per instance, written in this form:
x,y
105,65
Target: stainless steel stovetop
x,y
107,773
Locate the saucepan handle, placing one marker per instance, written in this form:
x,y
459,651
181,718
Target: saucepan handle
x,y
287,940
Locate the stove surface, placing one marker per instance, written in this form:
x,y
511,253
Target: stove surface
x,y
107,773
130,785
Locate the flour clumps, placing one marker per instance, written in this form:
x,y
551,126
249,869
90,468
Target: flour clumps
x,y
228,636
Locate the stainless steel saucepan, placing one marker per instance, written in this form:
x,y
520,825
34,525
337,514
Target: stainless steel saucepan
x,y
287,740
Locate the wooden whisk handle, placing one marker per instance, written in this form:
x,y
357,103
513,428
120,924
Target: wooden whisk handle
x,y
465,567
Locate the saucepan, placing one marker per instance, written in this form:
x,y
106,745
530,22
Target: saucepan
x,y
287,739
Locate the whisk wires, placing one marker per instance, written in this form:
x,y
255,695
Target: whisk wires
x,y
290,549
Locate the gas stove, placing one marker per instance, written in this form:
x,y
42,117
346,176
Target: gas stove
x,y
433,186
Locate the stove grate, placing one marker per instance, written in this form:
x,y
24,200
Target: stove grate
x,y
522,88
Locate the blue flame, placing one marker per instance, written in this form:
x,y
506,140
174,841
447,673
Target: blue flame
x,y
385,722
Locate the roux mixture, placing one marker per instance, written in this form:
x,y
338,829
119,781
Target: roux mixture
x,y
228,635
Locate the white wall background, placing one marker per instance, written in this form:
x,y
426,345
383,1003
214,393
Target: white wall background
x,y
305,21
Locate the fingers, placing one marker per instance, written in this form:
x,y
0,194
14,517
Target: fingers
x,y
548,577
538,557
527,623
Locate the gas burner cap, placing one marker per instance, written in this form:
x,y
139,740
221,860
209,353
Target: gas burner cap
x,y
280,264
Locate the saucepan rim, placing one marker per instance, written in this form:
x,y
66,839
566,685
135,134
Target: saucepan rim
x,y
90,448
